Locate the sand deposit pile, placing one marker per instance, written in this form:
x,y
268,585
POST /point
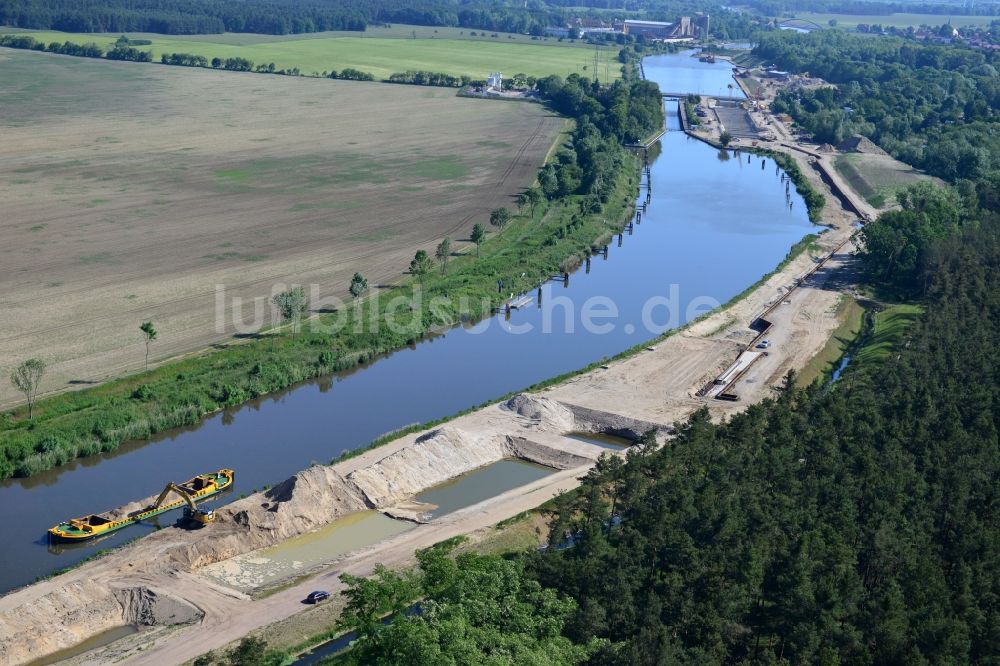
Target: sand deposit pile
x,y
860,144
313,497
121,588
434,458
317,496
84,608
448,452
550,413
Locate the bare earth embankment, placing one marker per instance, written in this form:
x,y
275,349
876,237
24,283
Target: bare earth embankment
x,y
130,191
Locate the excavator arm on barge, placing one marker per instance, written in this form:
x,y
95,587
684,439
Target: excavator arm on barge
x,y
192,513
200,487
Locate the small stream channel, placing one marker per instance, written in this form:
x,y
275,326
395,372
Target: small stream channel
x,y
715,224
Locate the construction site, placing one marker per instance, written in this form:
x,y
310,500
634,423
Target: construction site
x,y
189,591
182,591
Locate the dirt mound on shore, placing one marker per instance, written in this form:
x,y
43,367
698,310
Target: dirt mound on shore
x,y
445,453
860,144
434,458
550,412
126,586
84,608
310,498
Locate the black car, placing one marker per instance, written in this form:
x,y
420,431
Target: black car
x,y
317,596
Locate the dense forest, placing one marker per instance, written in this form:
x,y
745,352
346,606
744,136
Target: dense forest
x,y
851,524
935,107
277,17
281,17
855,522
627,111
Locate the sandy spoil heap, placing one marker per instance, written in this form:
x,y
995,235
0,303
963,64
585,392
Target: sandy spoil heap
x,y
130,586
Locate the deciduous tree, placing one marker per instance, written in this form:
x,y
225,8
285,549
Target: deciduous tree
x,y
359,285
291,306
500,217
421,265
26,378
478,236
522,201
149,333
443,252
534,197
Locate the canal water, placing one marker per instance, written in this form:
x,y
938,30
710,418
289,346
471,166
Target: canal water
x,y
715,224
299,554
481,484
683,73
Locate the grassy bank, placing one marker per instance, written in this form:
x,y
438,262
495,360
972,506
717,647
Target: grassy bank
x,y
870,336
888,329
849,171
530,249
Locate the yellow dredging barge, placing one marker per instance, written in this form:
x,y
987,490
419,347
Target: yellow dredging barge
x,y
197,489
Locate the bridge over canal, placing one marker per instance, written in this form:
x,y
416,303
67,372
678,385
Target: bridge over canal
x,y
721,98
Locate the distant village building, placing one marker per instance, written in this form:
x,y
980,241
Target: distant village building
x,y
648,29
596,32
589,22
494,82
556,31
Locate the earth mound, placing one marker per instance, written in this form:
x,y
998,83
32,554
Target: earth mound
x,y
860,144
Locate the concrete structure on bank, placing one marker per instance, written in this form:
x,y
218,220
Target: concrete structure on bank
x,y
685,28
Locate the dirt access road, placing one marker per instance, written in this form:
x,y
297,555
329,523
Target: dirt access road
x,y
131,190
231,618
659,385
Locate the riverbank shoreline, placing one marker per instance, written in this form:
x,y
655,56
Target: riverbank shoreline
x,y
56,435
651,385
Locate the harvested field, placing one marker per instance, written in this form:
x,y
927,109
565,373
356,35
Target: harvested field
x,y
132,190
897,20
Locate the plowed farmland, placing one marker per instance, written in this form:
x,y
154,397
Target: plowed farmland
x,y
131,191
